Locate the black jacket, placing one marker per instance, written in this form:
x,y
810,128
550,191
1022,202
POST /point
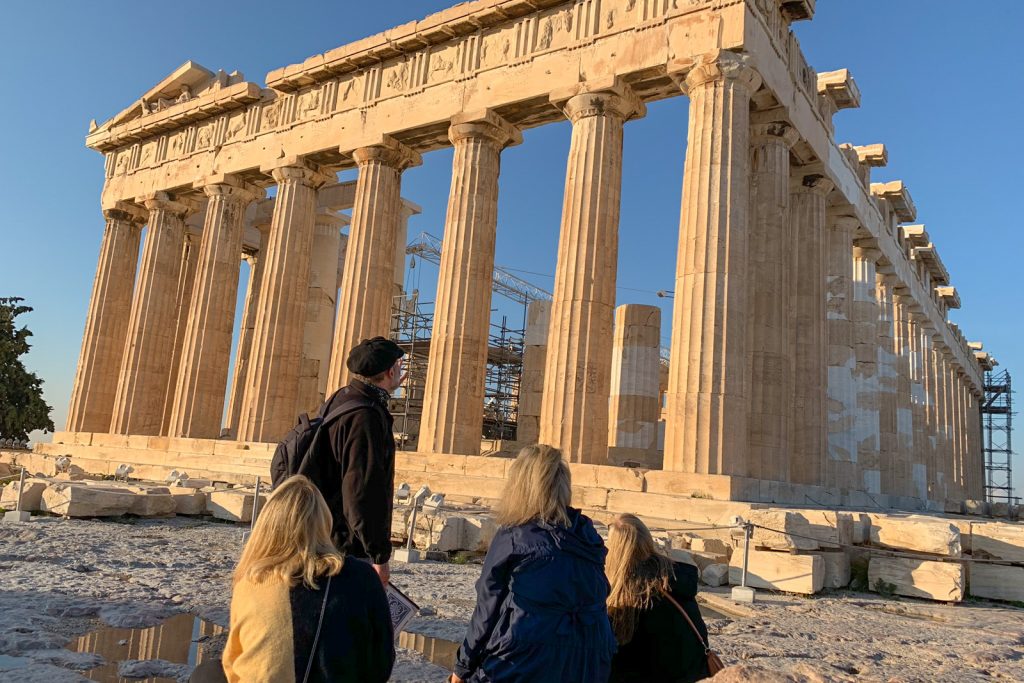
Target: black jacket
x,y
664,647
354,468
540,613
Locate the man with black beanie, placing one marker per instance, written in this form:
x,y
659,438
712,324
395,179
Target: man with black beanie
x,y
357,475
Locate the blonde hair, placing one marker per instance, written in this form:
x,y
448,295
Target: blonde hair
x,y
636,571
538,488
291,540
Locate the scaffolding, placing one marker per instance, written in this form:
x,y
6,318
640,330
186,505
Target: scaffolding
x,y
997,427
411,323
504,375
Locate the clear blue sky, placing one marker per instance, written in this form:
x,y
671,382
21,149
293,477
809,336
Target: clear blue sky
x,y
942,88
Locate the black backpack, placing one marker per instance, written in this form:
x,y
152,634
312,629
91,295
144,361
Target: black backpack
x,y
301,442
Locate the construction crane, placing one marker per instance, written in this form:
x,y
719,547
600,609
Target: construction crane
x,y
428,248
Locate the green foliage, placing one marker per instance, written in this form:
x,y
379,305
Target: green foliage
x,y
22,408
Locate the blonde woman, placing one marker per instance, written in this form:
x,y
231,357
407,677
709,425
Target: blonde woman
x,y
540,614
300,611
655,641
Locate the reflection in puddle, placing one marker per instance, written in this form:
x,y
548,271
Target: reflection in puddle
x,y
173,640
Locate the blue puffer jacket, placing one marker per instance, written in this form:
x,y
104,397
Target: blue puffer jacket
x,y
540,614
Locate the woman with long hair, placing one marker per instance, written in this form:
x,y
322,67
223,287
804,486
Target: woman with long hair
x,y
540,614
656,643
299,610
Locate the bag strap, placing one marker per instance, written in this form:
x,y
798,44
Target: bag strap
x,y
319,625
696,631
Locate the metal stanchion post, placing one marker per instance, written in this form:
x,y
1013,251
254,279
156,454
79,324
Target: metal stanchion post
x,y
742,592
255,504
18,515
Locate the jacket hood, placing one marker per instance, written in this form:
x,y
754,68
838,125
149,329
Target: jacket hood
x,y
579,538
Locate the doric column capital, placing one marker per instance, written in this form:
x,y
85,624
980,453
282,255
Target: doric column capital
x,y
610,97
484,125
775,132
813,183
712,67
867,251
127,211
226,185
163,201
389,152
298,170
844,224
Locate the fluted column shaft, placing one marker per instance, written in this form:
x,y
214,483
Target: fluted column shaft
x,y
577,377
919,459
271,389
106,324
904,400
364,306
706,420
635,408
808,296
182,301
841,463
145,368
198,406
453,402
245,335
865,326
944,455
961,483
770,376
531,384
888,381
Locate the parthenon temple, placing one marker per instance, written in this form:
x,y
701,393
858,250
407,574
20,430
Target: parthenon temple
x,y
811,356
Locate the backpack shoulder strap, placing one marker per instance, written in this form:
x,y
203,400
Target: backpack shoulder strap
x,y
345,408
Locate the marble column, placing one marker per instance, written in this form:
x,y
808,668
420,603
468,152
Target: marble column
x,y
408,211
888,381
145,368
904,400
531,384
944,460
106,324
768,329
271,389
246,332
841,463
976,457
931,379
919,461
182,299
198,407
706,412
962,484
808,296
367,285
320,310
635,408
574,410
865,337
453,402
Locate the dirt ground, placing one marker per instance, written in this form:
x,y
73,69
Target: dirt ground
x,y
63,578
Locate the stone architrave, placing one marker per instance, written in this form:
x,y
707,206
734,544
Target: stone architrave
x,y
888,380
768,328
182,299
841,463
271,389
198,406
574,410
103,343
531,385
453,402
145,368
325,268
865,337
810,422
367,285
634,409
706,412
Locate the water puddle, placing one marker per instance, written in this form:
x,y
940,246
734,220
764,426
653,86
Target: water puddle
x,y
175,640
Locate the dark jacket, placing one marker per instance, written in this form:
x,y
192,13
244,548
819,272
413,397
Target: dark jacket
x,y
354,468
664,647
540,614
273,627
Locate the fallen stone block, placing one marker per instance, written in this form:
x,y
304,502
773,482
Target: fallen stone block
x,y
837,567
232,505
715,575
710,545
77,500
698,559
31,498
784,523
998,540
832,529
152,504
188,501
441,531
997,582
919,534
1000,509
479,530
400,523
779,571
979,508
917,578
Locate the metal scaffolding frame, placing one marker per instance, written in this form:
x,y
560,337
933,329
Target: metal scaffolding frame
x,y
997,427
